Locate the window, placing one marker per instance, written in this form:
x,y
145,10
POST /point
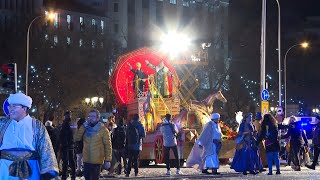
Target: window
x,y
101,44
186,3
94,26
81,21
80,43
145,4
46,37
115,28
55,40
173,1
56,21
69,22
115,7
68,41
102,26
93,44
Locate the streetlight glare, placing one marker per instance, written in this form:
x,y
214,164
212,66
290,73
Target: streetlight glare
x,y
173,43
305,45
51,15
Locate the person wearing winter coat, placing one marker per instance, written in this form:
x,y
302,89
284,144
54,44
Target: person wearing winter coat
x,y
298,141
169,132
316,144
269,132
97,149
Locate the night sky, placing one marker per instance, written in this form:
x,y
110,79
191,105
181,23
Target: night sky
x,y
303,79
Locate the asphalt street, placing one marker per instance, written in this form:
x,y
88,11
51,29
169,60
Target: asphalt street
x,y
155,172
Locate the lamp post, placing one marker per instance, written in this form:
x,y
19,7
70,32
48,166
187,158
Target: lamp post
x,y
279,50
304,45
50,16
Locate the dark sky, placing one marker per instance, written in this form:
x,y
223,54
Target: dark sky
x,y
302,65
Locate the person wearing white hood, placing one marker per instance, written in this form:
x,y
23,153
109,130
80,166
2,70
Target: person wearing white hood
x,y
210,143
26,151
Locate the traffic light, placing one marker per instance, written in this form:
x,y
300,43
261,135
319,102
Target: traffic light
x,y
9,76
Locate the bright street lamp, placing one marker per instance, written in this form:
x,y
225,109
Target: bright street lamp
x,y
315,110
94,101
50,16
173,43
303,45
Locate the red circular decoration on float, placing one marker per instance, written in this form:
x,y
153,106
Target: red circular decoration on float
x,y
121,77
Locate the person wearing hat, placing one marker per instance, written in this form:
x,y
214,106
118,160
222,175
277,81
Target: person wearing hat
x,y
298,142
316,144
209,143
25,146
169,132
262,149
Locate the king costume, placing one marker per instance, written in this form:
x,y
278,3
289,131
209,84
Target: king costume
x,y
205,151
26,151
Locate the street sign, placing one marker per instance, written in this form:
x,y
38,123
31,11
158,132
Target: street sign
x,y
265,95
5,107
264,107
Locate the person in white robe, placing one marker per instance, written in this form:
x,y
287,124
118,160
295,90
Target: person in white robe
x,y
205,151
26,151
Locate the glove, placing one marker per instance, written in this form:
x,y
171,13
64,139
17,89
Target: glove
x,y
107,165
86,124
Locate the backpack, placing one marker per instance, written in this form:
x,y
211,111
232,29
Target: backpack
x,y
119,138
133,135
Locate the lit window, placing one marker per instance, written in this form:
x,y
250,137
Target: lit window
x,y
81,21
173,1
68,41
80,43
102,27
46,37
69,22
56,21
55,40
93,44
186,3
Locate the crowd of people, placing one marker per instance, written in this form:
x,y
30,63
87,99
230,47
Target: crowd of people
x,y
30,149
98,145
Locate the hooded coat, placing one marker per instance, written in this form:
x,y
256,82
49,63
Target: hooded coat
x,y
198,156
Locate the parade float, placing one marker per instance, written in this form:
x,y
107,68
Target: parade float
x,y
146,83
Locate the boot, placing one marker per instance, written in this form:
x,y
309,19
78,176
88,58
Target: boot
x,y
205,171
313,167
215,172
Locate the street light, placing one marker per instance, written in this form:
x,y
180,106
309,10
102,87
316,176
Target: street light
x,y
49,15
94,101
315,110
279,50
173,43
303,45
